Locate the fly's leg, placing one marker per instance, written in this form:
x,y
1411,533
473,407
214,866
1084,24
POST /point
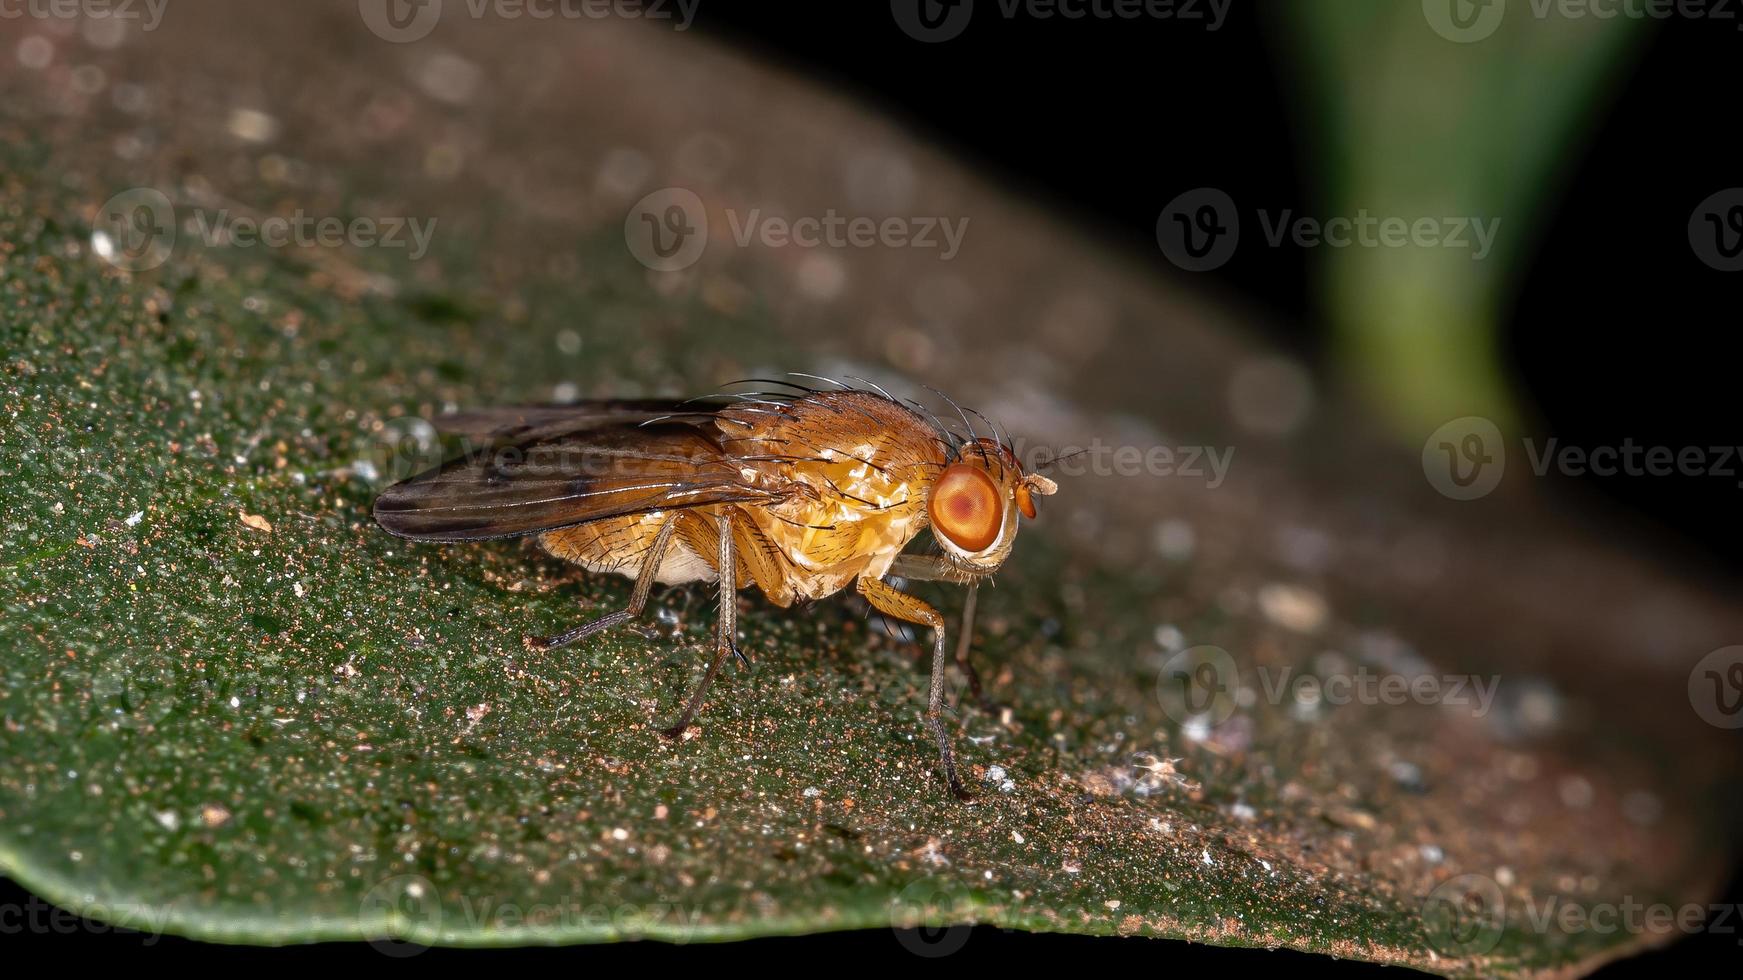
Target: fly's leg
x,y
924,568
887,600
726,626
638,598
965,640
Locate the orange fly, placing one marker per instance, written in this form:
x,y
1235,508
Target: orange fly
x,y
799,493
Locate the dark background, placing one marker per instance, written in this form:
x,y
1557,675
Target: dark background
x,y
1616,330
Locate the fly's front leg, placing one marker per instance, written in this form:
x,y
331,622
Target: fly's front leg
x,y
638,598
923,568
887,600
726,626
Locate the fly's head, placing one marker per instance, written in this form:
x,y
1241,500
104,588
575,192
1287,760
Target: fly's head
x,y
975,503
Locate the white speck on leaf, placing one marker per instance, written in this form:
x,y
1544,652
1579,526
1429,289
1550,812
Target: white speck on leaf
x,y
1293,607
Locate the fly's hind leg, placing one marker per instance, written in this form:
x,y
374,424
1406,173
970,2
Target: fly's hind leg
x,y
887,600
644,583
726,626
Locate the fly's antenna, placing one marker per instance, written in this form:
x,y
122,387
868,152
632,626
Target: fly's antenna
x,y
1054,459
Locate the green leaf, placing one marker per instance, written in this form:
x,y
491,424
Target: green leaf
x,y
232,708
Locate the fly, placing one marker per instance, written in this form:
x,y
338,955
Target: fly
x,y
800,493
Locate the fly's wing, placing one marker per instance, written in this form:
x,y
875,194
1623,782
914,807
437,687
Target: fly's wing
x,y
590,471
528,423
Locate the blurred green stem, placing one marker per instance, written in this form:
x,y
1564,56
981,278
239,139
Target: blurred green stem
x,y
1406,123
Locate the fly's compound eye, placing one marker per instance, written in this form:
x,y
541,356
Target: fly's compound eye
x,y
965,508
1025,501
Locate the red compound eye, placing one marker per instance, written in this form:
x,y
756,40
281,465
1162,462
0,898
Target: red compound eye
x,y
965,507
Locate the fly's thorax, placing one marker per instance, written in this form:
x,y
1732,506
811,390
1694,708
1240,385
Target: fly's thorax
x,y
855,468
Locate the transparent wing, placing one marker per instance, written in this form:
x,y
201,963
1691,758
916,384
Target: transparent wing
x,y
564,471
